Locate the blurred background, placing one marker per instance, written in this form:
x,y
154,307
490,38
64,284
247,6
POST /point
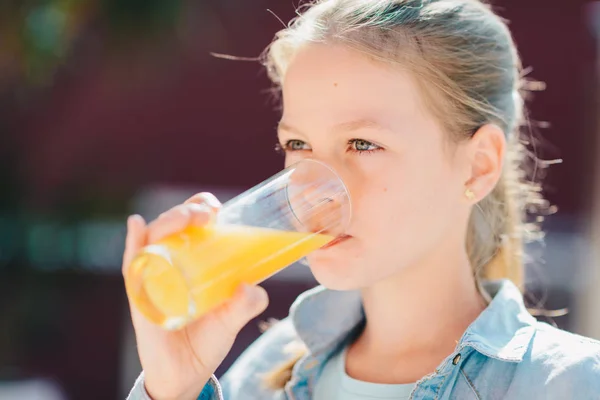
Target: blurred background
x,y
110,107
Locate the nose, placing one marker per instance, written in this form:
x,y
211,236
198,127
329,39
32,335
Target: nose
x,y
318,198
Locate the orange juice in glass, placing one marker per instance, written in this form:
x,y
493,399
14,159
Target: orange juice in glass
x,y
254,235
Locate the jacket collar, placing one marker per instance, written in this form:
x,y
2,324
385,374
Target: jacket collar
x,y
324,318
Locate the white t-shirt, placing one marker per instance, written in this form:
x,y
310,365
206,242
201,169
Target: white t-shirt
x,y
335,384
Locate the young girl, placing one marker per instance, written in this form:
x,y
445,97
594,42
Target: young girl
x,y
417,105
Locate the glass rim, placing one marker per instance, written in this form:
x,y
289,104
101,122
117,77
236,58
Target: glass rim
x,y
345,224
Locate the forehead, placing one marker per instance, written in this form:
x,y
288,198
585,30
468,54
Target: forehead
x,y
336,83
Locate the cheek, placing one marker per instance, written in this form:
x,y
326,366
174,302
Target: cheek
x,y
293,158
377,199
404,198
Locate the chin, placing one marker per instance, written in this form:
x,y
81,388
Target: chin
x,y
335,271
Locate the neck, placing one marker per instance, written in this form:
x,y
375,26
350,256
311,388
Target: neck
x,y
424,309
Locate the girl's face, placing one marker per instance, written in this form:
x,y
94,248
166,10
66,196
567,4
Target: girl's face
x,y
406,180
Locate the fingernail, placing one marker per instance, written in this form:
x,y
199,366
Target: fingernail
x,y
255,294
200,207
129,222
212,201
134,218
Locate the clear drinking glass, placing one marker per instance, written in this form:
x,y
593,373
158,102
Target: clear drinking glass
x,y
253,236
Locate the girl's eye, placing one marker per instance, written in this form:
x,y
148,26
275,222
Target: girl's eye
x,y
362,146
355,146
296,145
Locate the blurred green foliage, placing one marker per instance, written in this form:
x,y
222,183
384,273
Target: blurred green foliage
x,y
37,36
141,16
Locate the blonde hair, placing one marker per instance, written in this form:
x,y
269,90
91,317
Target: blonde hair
x,y
470,73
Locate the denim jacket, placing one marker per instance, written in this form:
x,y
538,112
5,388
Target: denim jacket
x,y
504,354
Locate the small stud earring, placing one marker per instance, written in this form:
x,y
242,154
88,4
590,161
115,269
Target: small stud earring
x,y
469,194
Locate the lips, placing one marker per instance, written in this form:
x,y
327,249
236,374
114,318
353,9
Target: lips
x,y
337,240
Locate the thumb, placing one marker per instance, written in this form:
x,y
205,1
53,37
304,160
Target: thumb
x,y
248,302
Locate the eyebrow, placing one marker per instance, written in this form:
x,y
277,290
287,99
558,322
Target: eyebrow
x,y
349,126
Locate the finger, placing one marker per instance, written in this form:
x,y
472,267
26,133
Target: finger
x,y
205,198
178,218
170,222
201,214
135,239
248,302
134,242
